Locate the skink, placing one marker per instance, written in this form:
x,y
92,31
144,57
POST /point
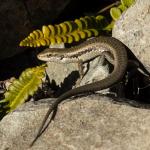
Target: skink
x,y
85,52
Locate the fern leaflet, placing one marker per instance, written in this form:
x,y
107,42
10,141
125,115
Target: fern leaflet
x,y
22,88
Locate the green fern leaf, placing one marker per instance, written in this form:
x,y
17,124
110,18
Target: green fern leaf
x,y
122,7
127,3
66,32
22,88
109,27
115,13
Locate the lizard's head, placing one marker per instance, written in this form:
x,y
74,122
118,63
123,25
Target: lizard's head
x,y
50,54
54,55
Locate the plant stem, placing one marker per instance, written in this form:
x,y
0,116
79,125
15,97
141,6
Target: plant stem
x,y
108,7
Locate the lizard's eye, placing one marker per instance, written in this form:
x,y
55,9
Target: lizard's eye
x,y
49,55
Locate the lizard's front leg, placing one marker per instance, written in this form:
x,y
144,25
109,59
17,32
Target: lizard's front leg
x,y
81,72
84,67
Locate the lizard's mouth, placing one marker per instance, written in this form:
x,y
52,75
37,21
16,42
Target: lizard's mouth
x,y
40,57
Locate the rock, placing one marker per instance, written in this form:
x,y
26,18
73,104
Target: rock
x,y
18,19
91,122
133,29
69,72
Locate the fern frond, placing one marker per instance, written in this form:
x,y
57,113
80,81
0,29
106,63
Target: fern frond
x,y
22,88
66,32
127,3
116,12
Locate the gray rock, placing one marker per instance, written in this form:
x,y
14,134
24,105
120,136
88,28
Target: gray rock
x,y
90,123
61,72
133,29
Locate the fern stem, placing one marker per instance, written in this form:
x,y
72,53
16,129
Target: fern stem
x,y
108,7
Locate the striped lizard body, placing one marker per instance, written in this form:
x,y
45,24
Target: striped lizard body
x,y
85,52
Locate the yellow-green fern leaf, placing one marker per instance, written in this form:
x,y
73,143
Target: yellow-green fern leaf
x,y
84,23
127,3
122,7
79,23
110,26
115,13
65,32
22,88
76,36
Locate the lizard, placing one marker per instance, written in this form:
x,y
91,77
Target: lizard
x,y
84,52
